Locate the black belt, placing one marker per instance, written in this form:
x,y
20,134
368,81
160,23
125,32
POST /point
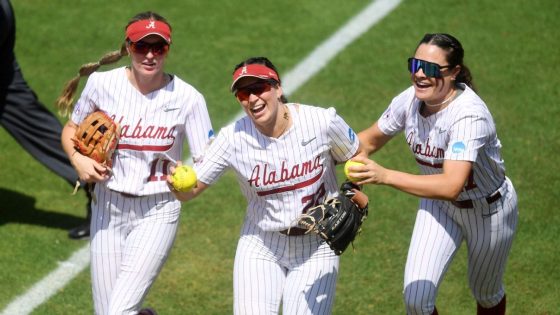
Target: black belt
x,y
294,231
468,204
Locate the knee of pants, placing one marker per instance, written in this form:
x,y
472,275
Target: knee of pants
x,y
419,297
121,309
489,300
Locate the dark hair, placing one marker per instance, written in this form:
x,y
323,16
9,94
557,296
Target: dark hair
x,y
266,62
455,54
65,101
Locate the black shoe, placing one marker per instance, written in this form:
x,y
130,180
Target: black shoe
x,y
79,232
147,311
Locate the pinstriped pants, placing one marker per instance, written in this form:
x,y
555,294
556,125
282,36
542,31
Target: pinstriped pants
x,y
272,269
131,238
439,230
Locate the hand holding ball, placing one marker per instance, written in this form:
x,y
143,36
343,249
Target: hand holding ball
x,y
346,170
184,178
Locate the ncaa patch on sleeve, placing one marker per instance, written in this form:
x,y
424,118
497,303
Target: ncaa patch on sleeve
x,y
458,147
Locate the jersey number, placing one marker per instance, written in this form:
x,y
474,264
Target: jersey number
x,y
313,199
158,166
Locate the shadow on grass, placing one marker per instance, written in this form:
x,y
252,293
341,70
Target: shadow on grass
x,y
19,208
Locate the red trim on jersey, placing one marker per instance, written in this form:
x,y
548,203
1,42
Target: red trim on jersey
x,y
292,187
437,165
157,148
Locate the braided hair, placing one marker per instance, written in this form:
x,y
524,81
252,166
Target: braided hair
x,y
64,102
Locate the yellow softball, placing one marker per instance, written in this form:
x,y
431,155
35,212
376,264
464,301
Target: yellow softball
x,y
184,178
346,171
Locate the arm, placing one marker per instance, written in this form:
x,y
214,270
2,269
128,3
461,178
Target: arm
x,y
446,186
191,194
198,129
88,170
372,139
210,169
187,195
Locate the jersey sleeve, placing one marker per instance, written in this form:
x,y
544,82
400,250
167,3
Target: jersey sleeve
x,y
86,104
393,119
343,140
216,160
198,128
467,135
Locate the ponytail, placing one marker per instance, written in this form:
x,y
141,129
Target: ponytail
x,y
465,77
64,102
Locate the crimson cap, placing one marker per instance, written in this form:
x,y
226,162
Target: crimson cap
x,y
254,70
142,28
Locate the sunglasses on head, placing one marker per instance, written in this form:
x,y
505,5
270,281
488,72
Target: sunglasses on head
x,y
432,70
258,88
158,48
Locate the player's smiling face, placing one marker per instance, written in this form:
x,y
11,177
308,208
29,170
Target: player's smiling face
x,y
260,100
433,90
149,58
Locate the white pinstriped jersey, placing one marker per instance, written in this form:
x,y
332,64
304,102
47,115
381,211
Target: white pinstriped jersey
x,y
464,131
282,177
153,128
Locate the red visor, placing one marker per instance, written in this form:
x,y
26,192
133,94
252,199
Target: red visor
x,y
140,29
254,70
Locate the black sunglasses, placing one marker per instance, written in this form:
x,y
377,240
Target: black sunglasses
x,y
432,70
140,47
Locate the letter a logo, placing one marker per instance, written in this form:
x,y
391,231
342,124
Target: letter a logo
x,y
151,25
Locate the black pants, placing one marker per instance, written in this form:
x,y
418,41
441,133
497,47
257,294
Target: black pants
x,y
34,127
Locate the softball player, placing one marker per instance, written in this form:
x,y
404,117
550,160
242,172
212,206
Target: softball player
x,y
464,192
135,217
284,156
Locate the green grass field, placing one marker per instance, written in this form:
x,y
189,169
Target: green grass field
x,y
511,47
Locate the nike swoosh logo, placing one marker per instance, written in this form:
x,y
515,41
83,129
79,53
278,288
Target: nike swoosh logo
x,y
442,131
304,143
167,109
